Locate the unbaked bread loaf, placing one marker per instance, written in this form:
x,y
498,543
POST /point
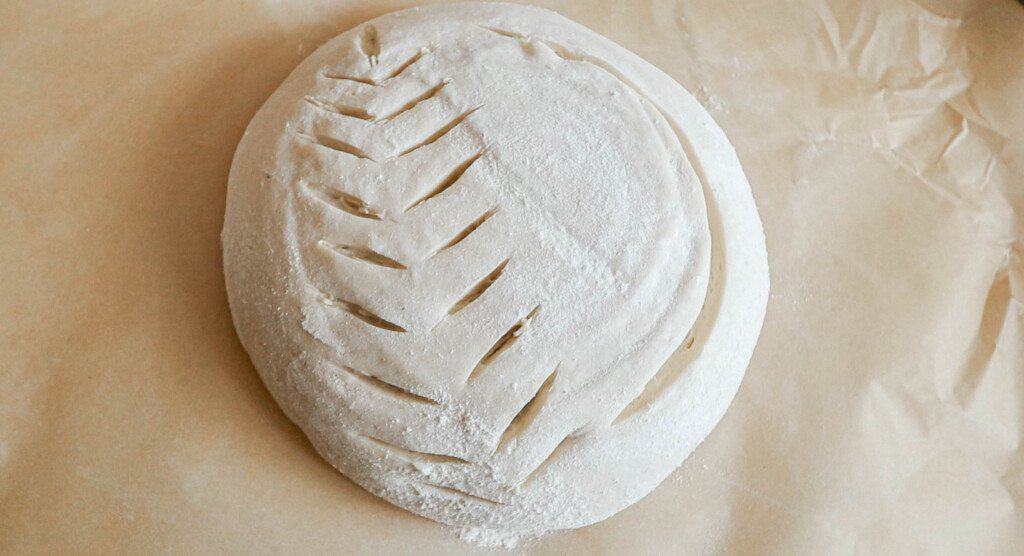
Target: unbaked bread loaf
x,y
461,243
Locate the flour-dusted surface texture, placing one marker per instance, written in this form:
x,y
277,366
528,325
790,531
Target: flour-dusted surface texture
x,y
460,244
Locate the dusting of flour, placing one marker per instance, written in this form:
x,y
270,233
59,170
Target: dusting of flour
x,y
489,538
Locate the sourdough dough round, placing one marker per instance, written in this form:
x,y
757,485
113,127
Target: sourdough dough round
x,y
461,243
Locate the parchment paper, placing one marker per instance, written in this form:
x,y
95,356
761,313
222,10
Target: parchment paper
x,y
884,407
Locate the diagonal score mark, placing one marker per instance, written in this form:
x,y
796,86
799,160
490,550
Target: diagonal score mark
x,y
362,314
335,145
342,201
412,455
502,32
440,133
448,180
479,288
551,457
427,95
362,254
503,343
347,111
529,411
386,387
361,80
457,238
406,64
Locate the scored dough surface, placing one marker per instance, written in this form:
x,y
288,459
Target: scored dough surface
x,y
460,244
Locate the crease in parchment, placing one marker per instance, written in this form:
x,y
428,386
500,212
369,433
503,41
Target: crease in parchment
x,y
990,329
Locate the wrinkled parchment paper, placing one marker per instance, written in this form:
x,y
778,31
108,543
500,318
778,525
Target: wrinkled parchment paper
x,y
884,407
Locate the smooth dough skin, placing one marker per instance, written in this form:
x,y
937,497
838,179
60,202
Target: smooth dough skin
x,y
461,244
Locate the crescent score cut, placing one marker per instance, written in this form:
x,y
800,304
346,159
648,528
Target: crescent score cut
x,y
502,272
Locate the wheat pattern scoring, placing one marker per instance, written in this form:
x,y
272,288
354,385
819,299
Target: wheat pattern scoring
x,y
350,205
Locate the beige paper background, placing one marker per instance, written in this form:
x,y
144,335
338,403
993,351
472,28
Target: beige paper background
x,y
884,407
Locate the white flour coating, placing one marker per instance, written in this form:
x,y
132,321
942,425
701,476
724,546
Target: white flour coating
x,y
489,538
460,243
